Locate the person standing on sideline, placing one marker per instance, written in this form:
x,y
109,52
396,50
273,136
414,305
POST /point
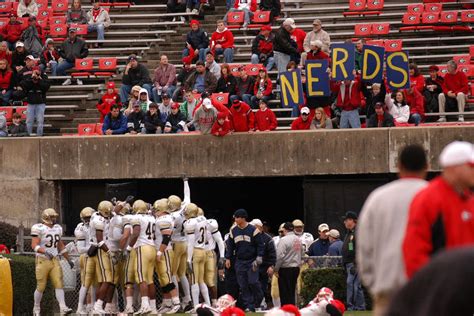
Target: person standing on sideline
x,y
246,249
355,296
335,243
289,254
384,217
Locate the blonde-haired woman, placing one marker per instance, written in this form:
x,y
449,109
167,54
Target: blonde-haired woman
x,y
321,120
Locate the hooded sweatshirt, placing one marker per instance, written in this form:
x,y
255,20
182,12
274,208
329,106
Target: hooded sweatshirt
x,y
144,105
105,103
224,38
204,120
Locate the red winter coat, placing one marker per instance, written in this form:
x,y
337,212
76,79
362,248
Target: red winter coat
x,y
242,120
8,57
416,102
320,55
299,125
355,95
225,39
265,120
106,103
439,218
12,32
267,87
221,130
298,35
6,80
418,82
456,83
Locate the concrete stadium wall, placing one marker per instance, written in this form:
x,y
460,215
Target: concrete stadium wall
x,y
32,168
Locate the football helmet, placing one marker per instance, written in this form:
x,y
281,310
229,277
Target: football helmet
x,y
200,212
298,223
161,205
105,208
225,301
191,211
140,207
86,214
324,293
49,216
174,202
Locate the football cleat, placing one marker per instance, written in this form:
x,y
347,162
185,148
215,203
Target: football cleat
x,y
36,311
188,307
65,311
174,309
164,309
143,310
128,310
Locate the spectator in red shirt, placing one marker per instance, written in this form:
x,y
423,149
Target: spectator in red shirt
x,y
7,82
416,78
11,31
303,122
455,91
265,119
263,88
417,105
221,126
441,216
222,42
262,48
107,100
5,53
349,101
316,53
241,117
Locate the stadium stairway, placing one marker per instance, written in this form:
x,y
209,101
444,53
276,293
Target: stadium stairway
x,y
149,31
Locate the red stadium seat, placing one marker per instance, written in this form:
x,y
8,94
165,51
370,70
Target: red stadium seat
x,y
375,4
45,13
448,17
467,69
415,8
58,32
43,23
84,66
259,19
22,111
107,67
462,60
411,18
8,112
380,28
380,43
59,6
235,69
3,21
15,6
430,17
252,69
5,7
433,7
357,5
86,129
42,4
98,128
393,45
363,29
467,16
221,98
81,29
471,51
55,20
442,70
235,19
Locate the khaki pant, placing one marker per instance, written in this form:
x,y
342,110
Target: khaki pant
x,y
460,98
199,261
180,256
210,268
48,268
146,263
163,268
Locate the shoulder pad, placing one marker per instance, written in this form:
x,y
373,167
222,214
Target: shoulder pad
x,y
37,229
213,225
189,226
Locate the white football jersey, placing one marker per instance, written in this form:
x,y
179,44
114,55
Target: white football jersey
x,y
49,237
276,240
306,240
147,229
178,230
98,223
212,228
115,232
198,227
82,237
164,222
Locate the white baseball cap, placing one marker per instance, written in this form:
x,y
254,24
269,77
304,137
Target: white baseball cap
x,y
290,22
323,227
207,103
256,222
317,43
305,110
457,153
334,233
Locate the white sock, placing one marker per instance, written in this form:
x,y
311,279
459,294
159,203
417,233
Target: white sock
x,y
185,286
99,304
129,301
38,297
145,301
90,306
60,297
153,304
276,302
82,297
195,294
175,300
109,306
205,293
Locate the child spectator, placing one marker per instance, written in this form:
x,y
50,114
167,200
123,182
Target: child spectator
x,y
204,117
110,98
5,53
303,122
227,82
132,99
49,57
153,123
263,88
375,95
398,107
248,6
19,56
165,107
245,85
222,126
98,20
188,106
321,120
3,125
176,122
76,14
262,48
33,37
7,82
417,105
135,120
380,118
197,42
416,78
222,42
115,123
143,100
18,127
433,88
241,117
265,119
27,8
11,31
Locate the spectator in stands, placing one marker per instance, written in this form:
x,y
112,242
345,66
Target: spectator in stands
x,y
19,56
274,6
35,87
222,42
204,117
359,45
227,82
181,78
455,91
416,78
143,100
176,122
417,105
321,120
245,85
3,125
263,88
282,46
27,8
165,107
132,98
176,6
115,123
135,74
303,122
152,121
76,14
201,80
197,42
434,86
349,101
33,37
373,96
188,106
110,98
242,118
98,21
262,48
320,246
265,119
49,57
135,120
316,34
5,53
26,71
7,82
398,107
212,66
18,127
221,126
247,6
335,243
316,53
11,31
298,36
73,47
164,80
380,118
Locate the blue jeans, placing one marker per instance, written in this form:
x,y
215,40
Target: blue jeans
x,y
227,52
415,118
247,98
248,282
99,28
228,4
157,97
350,119
62,67
125,91
54,67
202,53
281,61
3,134
247,15
35,111
6,97
269,63
355,295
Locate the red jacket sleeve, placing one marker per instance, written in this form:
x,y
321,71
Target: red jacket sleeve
x,y
268,91
273,120
295,124
464,88
229,40
251,118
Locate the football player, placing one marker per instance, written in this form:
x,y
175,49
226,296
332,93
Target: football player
x,y
130,269
195,228
164,225
306,241
46,242
324,304
143,241
224,302
83,243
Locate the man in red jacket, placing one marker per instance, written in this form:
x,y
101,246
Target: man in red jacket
x,y
455,90
441,216
11,31
349,101
303,122
222,42
241,117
